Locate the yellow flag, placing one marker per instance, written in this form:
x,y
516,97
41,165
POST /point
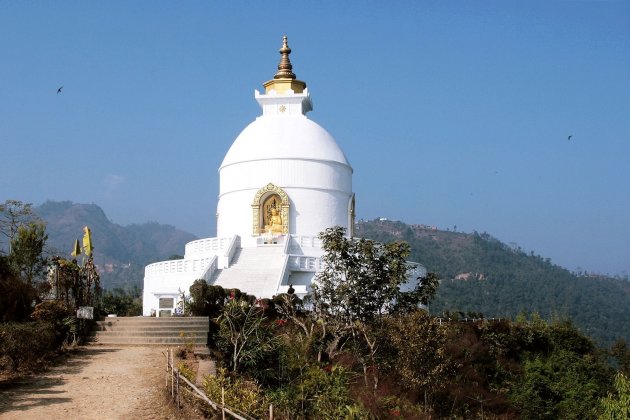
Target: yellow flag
x,y
77,249
87,241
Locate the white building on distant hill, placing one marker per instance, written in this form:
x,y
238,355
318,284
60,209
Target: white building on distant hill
x,y
283,181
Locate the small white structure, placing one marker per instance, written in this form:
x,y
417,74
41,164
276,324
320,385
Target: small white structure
x,y
283,181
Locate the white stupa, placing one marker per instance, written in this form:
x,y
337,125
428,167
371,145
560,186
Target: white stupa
x,y
283,181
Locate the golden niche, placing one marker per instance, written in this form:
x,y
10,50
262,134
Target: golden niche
x,y
270,211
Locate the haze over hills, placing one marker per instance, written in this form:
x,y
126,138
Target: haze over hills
x,y
479,273
120,252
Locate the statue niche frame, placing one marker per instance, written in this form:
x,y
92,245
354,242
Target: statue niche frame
x,y
262,196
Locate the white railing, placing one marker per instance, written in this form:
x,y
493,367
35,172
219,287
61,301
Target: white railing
x,y
177,266
211,269
264,240
230,250
287,245
301,241
304,263
284,274
206,246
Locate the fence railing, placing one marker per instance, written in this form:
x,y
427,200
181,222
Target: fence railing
x,y
176,382
206,246
176,266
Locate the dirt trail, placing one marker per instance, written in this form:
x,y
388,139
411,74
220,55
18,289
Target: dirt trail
x,y
97,382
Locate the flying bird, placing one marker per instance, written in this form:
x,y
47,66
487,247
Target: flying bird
x,y
59,90
569,138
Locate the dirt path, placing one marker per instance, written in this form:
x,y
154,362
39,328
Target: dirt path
x,y
97,382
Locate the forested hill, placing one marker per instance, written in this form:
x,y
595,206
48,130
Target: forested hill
x,y
120,252
481,274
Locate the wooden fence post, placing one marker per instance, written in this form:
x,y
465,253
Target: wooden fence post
x,y
270,411
223,402
177,393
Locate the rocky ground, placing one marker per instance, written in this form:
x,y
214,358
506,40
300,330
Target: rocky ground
x,y
95,382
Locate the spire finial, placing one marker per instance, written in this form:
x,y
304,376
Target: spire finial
x,y
285,68
284,80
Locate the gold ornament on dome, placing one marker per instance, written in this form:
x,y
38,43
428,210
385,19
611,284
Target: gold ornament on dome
x,y
270,211
284,79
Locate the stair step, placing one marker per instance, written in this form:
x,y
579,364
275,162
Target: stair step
x,y
155,333
149,341
154,325
185,328
151,331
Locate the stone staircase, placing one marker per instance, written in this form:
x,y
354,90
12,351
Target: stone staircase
x,y
255,271
148,331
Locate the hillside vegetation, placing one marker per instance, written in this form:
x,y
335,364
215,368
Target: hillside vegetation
x,y
120,252
481,274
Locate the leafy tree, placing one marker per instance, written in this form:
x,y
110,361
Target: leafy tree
x,y
16,296
27,246
244,333
21,272
310,330
122,302
423,293
621,353
207,300
361,278
566,382
13,214
360,281
617,406
415,351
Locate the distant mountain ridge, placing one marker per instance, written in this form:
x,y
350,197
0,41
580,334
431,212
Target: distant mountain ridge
x,y
481,274
121,252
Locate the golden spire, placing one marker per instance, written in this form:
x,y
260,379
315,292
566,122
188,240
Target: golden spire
x,y
285,79
285,67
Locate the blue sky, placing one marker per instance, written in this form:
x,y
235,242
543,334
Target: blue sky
x,y
450,112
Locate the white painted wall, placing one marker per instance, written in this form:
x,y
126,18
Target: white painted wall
x,y
319,193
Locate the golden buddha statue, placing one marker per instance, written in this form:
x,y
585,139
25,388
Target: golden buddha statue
x,y
275,222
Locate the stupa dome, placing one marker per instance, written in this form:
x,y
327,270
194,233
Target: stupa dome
x,y
284,137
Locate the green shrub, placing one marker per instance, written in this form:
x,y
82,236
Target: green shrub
x,y
23,345
318,392
62,319
241,394
16,296
53,311
121,302
186,371
616,406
